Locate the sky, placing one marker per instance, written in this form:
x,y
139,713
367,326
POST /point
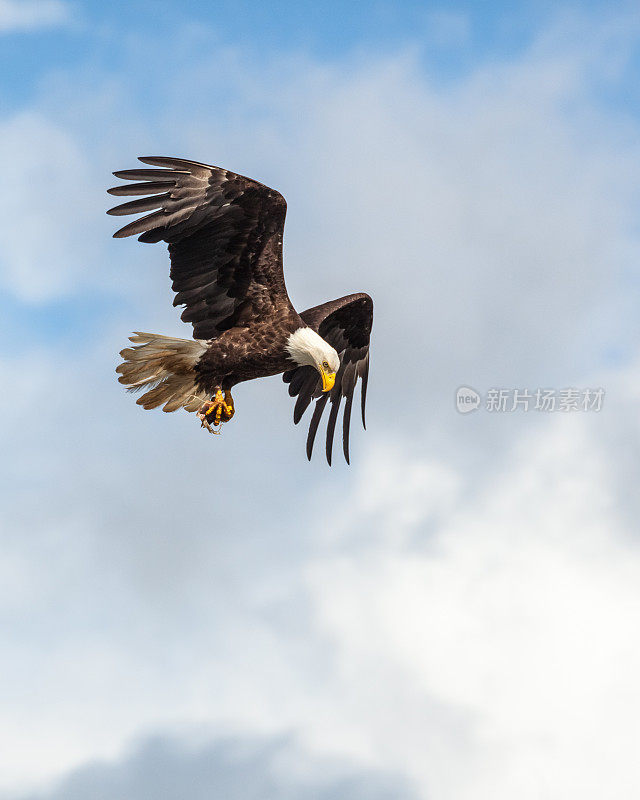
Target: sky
x,y
452,617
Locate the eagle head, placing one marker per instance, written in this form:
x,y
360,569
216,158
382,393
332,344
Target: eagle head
x,y
307,348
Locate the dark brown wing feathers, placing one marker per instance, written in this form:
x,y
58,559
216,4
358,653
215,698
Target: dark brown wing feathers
x,y
346,325
315,421
224,233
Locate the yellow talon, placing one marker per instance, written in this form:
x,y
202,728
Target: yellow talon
x,y
228,404
217,402
217,410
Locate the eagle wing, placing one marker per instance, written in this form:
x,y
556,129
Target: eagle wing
x,y
224,233
346,325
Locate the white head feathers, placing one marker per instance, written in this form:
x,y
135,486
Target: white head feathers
x,y
306,348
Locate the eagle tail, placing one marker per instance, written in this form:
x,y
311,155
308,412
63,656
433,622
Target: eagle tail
x,y
165,367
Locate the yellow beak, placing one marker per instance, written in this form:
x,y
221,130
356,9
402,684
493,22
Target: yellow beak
x,y
328,379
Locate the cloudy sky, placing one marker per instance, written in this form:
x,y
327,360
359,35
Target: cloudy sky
x,y
454,616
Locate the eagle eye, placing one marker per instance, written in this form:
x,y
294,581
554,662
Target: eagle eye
x,y
325,364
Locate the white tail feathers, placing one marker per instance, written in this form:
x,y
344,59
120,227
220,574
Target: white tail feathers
x,y
164,366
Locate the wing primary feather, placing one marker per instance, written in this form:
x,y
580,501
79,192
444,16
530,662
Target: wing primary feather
x,y
136,206
142,225
302,403
304,398
331,424
346,423
152,187
363,392
148,174
315,421
296,383
301,377
168,161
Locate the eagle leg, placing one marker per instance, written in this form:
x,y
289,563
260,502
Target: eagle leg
x,y
216,411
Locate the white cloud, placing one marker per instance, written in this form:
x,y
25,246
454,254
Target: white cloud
x,y
501,648
50,216
28,15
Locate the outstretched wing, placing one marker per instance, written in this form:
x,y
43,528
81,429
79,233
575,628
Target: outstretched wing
x,y
224,233
346,325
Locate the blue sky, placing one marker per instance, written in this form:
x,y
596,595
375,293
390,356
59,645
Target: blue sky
x,y
329,30
453,38
206,611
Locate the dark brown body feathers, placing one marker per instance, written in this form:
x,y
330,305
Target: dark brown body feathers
x,y
244,353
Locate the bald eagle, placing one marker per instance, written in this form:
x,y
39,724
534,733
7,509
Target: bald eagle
x,y
224,233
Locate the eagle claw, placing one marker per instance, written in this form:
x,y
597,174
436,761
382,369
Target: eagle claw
x,y
216,411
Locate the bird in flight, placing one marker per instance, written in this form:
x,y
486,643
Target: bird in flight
x,y
224,233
